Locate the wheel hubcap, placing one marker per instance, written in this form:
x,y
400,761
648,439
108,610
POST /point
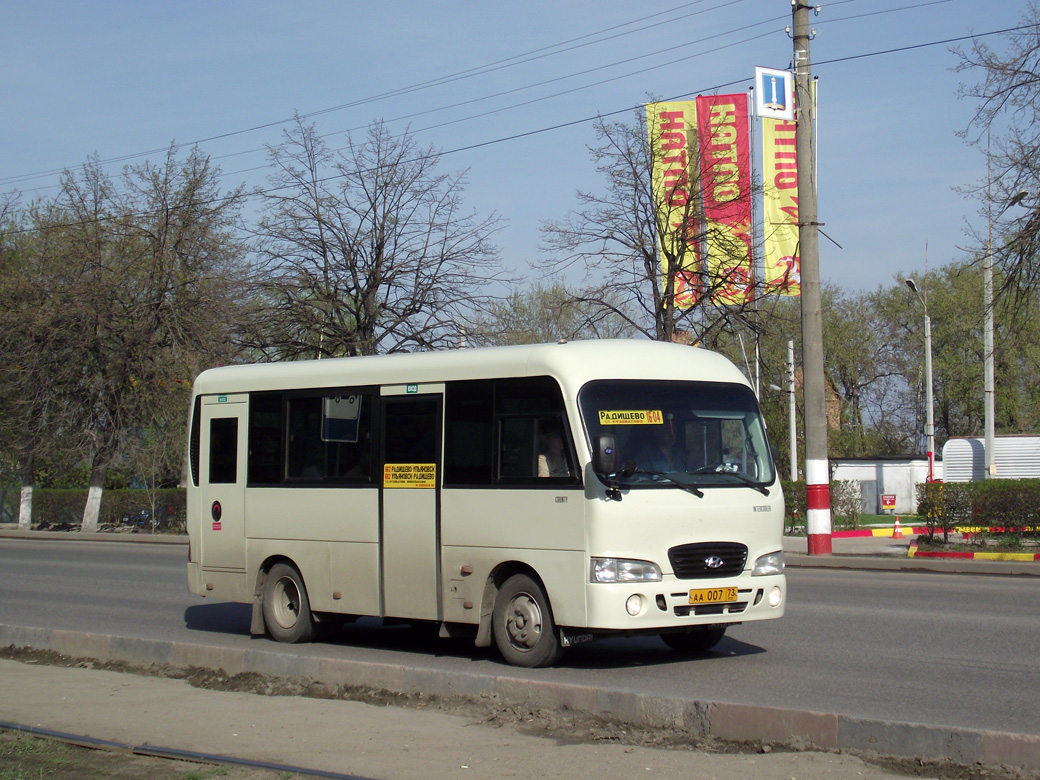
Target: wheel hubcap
x,y
524,624
286,603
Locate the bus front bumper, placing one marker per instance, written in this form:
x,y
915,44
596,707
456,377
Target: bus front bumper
x,y
673,603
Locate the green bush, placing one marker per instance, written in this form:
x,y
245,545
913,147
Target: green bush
x,y
794,505
64,507
1010,506
846,505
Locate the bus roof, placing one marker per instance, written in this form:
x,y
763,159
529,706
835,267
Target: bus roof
x,y
572,363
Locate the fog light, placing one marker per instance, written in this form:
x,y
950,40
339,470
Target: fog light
x,y
775,596
634,605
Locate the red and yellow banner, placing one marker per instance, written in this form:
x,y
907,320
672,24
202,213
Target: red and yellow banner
x,y
672,131
783,272
725,157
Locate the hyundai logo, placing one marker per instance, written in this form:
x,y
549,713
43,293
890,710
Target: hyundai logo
x,y
713,562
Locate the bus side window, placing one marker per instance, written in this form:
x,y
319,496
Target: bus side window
x,y
266,461
528,409
468,433
306,452
517,453
223,451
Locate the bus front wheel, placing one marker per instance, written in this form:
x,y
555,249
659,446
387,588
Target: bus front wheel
x,y
523,625
287,611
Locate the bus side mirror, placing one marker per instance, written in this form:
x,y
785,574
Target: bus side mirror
x,y
604,454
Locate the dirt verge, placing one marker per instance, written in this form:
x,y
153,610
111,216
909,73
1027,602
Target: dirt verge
x,y
559,725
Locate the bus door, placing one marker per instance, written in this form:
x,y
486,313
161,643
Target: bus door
x,y
410,524
222,477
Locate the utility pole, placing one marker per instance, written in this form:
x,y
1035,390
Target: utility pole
x,y
792,411
989,386
817,467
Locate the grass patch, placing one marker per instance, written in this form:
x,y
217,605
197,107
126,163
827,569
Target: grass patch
x,y
23,757
26,757
981,542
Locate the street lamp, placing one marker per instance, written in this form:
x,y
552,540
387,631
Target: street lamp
x,y
791,409
929,426
989,391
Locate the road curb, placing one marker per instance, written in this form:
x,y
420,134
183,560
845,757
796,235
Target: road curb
x,y
13,532
914,552
725,721
917,564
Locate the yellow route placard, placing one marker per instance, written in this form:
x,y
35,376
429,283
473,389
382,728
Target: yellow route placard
x,y
631,417
410,475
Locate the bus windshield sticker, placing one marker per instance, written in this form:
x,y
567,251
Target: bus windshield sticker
x,y
339,418
631,417
410,475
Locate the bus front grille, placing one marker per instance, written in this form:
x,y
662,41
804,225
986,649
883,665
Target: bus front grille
x,y
708,560
734,608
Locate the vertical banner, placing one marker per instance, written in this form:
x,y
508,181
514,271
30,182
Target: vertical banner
x,y
672,131
725,157
780,208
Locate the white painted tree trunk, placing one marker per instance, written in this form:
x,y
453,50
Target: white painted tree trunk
x,y
92,510
25,509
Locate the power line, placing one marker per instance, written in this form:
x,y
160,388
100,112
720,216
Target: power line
x,y
518,59
587,119
600,36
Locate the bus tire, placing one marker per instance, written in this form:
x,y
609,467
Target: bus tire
x,y
523,626
287,610
698,640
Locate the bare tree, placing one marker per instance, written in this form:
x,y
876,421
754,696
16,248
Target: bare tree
x,y
38,344
547,313
614,238
366,250
151,262
1006,126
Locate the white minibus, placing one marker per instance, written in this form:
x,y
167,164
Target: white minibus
x,y
533,497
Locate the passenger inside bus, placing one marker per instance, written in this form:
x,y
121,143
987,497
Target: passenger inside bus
x,y
552,459
660,453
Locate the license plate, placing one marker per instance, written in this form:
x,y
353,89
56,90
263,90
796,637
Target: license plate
x,y
713,595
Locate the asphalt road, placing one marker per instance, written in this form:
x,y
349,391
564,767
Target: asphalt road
x,y
937,649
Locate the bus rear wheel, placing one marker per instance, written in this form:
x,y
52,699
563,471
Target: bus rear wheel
x,y
699,640
523,627
287,611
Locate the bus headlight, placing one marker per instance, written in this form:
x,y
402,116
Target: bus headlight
x,y
769,564
622,570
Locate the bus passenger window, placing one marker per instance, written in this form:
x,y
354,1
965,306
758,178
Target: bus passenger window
x,y
330,437
306,453
517,453
265,439
223,451
468,439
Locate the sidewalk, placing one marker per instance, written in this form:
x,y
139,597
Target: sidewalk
x,y
886,553
351,739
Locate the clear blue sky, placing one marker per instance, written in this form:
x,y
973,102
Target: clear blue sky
x,y
121,78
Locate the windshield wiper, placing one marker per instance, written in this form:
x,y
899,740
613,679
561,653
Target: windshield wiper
x,y
671,476
676,478
753,485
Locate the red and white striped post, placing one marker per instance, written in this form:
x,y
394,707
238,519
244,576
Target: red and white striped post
x,y
818,505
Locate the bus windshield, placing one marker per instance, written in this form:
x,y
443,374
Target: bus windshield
x,y
702,434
